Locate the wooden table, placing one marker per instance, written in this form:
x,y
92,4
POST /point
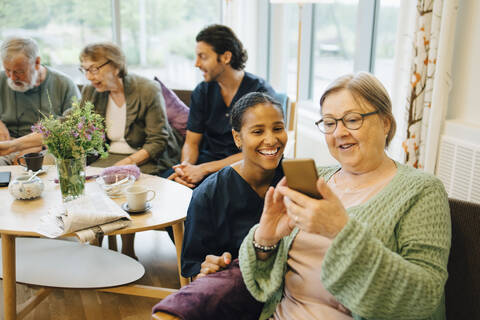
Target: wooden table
x,y
21,217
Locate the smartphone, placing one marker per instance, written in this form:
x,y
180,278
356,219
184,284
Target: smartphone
x,y
5,178
302,176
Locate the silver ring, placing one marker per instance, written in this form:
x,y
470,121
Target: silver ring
x,y
296,219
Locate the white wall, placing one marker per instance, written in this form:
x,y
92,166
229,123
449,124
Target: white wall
x,y
464,101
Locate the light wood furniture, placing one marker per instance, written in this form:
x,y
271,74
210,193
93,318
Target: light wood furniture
x,y
20,218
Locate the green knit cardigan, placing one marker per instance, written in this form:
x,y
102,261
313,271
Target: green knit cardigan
x,y
388,262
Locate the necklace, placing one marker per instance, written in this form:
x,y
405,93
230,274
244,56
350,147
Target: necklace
x,y
346,188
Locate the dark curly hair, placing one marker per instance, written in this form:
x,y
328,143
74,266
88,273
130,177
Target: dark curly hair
x,y
247,101
222,39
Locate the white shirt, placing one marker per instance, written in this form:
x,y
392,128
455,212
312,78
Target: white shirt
x,y
115,120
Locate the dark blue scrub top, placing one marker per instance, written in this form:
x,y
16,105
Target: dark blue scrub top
x,y
223,209
211,117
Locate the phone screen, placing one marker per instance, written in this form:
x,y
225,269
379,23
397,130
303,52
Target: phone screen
x,y
5,178
302,176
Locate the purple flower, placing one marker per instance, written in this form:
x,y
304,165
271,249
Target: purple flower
x,y
75,134
80,126
89,137
37,128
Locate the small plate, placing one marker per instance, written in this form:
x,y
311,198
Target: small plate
x,y
125,207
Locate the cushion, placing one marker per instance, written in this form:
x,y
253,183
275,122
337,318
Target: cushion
x,y
177,111
220,295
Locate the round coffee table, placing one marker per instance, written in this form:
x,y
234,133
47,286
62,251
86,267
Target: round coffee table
x,y
21,218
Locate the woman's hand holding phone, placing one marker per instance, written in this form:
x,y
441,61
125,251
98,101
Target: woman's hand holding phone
x,y
309,201
325,216
274,222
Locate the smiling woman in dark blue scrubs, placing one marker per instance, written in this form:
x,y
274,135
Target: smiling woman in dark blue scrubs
x,y
228,203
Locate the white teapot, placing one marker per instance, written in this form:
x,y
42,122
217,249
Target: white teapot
x,y
26,187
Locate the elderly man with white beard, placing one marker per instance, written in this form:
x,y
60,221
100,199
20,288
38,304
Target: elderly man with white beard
x,y
28,90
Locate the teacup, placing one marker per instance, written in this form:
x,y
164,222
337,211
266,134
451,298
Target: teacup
x,y
32,161
137,197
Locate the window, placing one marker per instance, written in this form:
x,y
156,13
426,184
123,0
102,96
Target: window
x,y
61,28
338,37
385,44
334,35
157,36
292,38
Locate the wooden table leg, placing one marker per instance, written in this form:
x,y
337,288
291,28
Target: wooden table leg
x,y
112,243
9,277
178,237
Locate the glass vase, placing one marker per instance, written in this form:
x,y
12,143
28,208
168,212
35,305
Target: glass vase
x,y
71,176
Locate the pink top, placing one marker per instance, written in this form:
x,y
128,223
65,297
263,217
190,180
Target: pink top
x,y
304,296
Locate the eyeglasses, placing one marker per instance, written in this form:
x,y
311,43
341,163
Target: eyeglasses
x,y
93,70
352,121
16,73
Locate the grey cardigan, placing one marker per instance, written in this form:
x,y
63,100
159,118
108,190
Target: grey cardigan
x,y
146,124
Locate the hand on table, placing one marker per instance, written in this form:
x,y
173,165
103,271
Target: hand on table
x,y
214,264
326,216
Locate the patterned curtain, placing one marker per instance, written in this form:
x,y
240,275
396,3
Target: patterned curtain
x,y
424,65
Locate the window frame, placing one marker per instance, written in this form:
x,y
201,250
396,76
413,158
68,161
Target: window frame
x,y
365,44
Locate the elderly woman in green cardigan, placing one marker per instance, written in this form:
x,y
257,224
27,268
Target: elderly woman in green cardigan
x,y
375,247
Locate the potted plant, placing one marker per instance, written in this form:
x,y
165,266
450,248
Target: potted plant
x,y
69,139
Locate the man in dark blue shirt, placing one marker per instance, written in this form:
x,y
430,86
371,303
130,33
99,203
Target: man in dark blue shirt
x,y
209,143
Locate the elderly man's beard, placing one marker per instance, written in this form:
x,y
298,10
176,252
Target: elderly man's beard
x,y
24,86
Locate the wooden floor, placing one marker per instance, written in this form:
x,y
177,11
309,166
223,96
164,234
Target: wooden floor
x,y
157,254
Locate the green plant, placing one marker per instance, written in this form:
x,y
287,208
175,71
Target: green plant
x,y
75,134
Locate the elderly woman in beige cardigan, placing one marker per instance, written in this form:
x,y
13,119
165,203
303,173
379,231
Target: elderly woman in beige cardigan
x,y
135,118
134,110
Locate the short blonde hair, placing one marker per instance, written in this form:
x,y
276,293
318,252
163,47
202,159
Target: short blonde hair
x,y
367,88
106,50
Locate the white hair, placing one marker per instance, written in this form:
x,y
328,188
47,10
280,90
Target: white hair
x,y
14,45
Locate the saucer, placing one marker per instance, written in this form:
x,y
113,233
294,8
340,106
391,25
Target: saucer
x,y
125,207
40,171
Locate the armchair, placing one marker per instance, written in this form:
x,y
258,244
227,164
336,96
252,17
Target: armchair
x,y
462,291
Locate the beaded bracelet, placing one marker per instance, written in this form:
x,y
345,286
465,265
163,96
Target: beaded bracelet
x,y
259,247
